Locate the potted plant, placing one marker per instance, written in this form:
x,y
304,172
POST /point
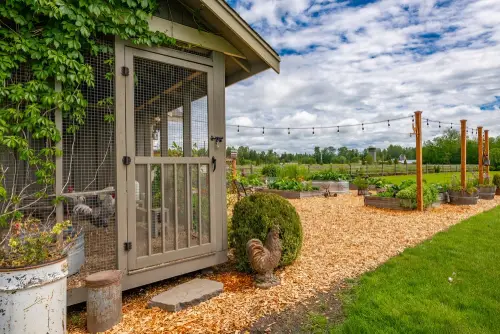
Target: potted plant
x,y
496,182
33,271
487,189
362,185
462,196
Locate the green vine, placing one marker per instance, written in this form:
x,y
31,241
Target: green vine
x,y
48,40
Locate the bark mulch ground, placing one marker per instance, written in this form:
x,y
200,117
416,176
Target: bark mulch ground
x,y
342,239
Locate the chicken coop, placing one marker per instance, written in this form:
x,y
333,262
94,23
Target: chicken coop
x,y
144,177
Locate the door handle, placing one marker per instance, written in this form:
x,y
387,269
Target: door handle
x,y
214,163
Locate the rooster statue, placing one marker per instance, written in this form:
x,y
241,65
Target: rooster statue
x,y
264,258
99,216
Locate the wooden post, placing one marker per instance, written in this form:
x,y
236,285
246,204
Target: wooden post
x,y
487,152
480,153
418,137
463,154
233,168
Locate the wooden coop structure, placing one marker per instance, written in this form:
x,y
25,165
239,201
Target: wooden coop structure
x,y
144,177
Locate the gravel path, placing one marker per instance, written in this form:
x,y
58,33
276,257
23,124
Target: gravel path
x,y
342,239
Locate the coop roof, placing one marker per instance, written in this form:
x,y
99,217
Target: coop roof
x,y
218,27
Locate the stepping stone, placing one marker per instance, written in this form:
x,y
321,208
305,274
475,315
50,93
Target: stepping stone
x,y
186,294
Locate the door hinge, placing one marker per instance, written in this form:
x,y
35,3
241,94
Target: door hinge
x,y
125,71
127,246
126,160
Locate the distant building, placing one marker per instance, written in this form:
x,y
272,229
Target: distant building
x,y
402,159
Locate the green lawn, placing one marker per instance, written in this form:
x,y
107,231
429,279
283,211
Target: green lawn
x,y
413,293
431,178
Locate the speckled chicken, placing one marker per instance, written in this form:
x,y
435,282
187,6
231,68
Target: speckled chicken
x,y
265,257
99,216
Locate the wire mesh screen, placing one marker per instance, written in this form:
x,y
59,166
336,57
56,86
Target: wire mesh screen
x,y
89,173
17,176
171,120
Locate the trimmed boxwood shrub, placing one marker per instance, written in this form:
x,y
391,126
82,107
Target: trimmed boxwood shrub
x,y
253,217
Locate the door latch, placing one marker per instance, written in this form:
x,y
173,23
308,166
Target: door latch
x,y
125,71
127,246
217,140
214,163
126,160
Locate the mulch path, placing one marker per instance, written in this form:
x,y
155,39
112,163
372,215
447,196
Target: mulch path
x,y
342,239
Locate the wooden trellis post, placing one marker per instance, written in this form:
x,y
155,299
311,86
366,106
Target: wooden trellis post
x,y
418,137
463,155
487,152
480,153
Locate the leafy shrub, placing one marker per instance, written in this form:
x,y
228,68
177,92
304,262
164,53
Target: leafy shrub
x,y
290,184
329,176
270,170
361,183
293,171
250,180
410,193
437,169
378,183
253,217
496,180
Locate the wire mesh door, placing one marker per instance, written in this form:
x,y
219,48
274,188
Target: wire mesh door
x,y
170,207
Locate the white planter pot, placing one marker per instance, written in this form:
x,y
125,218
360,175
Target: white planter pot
x,y
33,299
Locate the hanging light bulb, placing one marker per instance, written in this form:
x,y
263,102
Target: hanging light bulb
x,y
451,125
313,130
288,130
363,126
338,129
427,122
388,124
440,125
238,128
262,130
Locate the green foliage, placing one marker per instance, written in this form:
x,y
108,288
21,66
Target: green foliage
x,y
361,183
293,171
329,176
253,217
270,170
250,180
378,183
496,180
410,195
292,184
49,39
31,244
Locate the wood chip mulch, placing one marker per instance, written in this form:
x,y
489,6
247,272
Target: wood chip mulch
x,y
342,239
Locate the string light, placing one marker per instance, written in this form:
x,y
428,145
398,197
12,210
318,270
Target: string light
x,y
262,130
451,125
288,130
338,129
388,124
440,125
427,122
362,127
238,128
313,130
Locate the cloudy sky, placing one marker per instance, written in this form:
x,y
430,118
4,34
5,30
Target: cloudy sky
x,y
354,61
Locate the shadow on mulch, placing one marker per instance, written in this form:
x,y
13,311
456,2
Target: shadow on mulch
x,y
301,318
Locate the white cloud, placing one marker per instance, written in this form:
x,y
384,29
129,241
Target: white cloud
x,y
368,63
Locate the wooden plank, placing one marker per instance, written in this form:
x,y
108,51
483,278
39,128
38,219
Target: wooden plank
x,y
245,66
193,36
480,153
487,152
463,153
121,216
418,138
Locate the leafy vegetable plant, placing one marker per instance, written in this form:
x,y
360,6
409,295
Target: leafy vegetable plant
x,y
291,184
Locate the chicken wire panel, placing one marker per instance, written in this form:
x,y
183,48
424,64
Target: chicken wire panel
x,y
171,110
16,175
89,170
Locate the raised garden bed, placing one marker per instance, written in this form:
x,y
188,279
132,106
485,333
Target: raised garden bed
x,y
463,198
290,194
339,187
487,192
384,203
